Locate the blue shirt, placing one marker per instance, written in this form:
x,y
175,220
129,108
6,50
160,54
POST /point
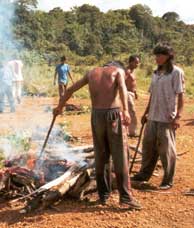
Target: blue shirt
x,y
62,71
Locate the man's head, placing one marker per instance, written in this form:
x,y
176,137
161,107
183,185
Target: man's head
x,y
118,64
63,58
163,53
133,61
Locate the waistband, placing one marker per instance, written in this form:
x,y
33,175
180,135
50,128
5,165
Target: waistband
x,y
105,109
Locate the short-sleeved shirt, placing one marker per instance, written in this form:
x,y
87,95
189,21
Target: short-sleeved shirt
x,y
62,71
16,66
164,89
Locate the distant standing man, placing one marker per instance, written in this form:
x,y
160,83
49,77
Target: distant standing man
x,y
132,93
62,71
6,83
16,66
108,94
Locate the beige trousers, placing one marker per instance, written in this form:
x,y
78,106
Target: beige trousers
x,y
158,142
131,106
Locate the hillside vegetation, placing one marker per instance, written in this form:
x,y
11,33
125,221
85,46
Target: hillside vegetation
x,y
89,37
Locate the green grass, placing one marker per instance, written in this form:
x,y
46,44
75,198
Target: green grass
x,y
189,108
189,81
39,79
14,143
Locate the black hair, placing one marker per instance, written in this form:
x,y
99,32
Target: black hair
x,y
133,58
63,58
116,64
165,49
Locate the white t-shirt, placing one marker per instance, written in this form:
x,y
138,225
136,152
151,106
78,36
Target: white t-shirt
x,y
164,89
16,66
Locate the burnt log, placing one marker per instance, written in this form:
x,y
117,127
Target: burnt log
x,y
55,190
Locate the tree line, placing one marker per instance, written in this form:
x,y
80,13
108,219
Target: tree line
x,y
87,32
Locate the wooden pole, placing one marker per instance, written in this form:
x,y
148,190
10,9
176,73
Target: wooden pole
x,y
48,133
137,147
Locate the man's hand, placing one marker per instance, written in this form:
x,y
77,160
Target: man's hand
x,y
58,110
136,96
176,123
126,118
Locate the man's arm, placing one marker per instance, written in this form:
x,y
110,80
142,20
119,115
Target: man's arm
x,y
70,77
123,96
180,104
144,117
55,77
76,86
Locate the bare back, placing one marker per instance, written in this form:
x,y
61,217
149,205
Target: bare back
x,y
103,87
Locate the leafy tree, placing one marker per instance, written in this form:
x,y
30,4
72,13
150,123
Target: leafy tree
x,y
144,21
171,17
86,32
26,4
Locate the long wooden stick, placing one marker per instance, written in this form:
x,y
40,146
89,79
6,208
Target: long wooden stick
x,y
48,133
137,147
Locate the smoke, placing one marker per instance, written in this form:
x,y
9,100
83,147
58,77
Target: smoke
x,y
57,148
8,45
21,145
17,144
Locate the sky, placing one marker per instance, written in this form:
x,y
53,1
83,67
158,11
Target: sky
x,y
159,7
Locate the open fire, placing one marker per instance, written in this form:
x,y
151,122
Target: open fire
x,y
41,182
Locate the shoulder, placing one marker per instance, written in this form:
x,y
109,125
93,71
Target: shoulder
x,y
96,70
177,70
128,71
120,70
66,67
117,72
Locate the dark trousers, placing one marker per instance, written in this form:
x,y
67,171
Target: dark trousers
x,y
110,138
62,89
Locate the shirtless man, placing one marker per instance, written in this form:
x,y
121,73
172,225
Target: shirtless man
x,y
131,88
108,94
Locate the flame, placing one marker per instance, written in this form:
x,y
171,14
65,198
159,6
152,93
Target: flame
x,y
31,161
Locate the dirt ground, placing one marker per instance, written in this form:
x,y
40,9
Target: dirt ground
x,y
160,209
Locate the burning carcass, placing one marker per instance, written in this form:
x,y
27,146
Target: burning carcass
x,y
42,182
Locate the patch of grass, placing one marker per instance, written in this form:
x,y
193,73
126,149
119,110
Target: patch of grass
x,y
189,81
2,158
189,109
19,141
13,144
39,79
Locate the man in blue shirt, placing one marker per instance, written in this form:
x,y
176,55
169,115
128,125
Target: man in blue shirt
x,y
62,71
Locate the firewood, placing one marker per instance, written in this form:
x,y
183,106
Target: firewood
x,y
78,189
56,193
56,189
78,149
